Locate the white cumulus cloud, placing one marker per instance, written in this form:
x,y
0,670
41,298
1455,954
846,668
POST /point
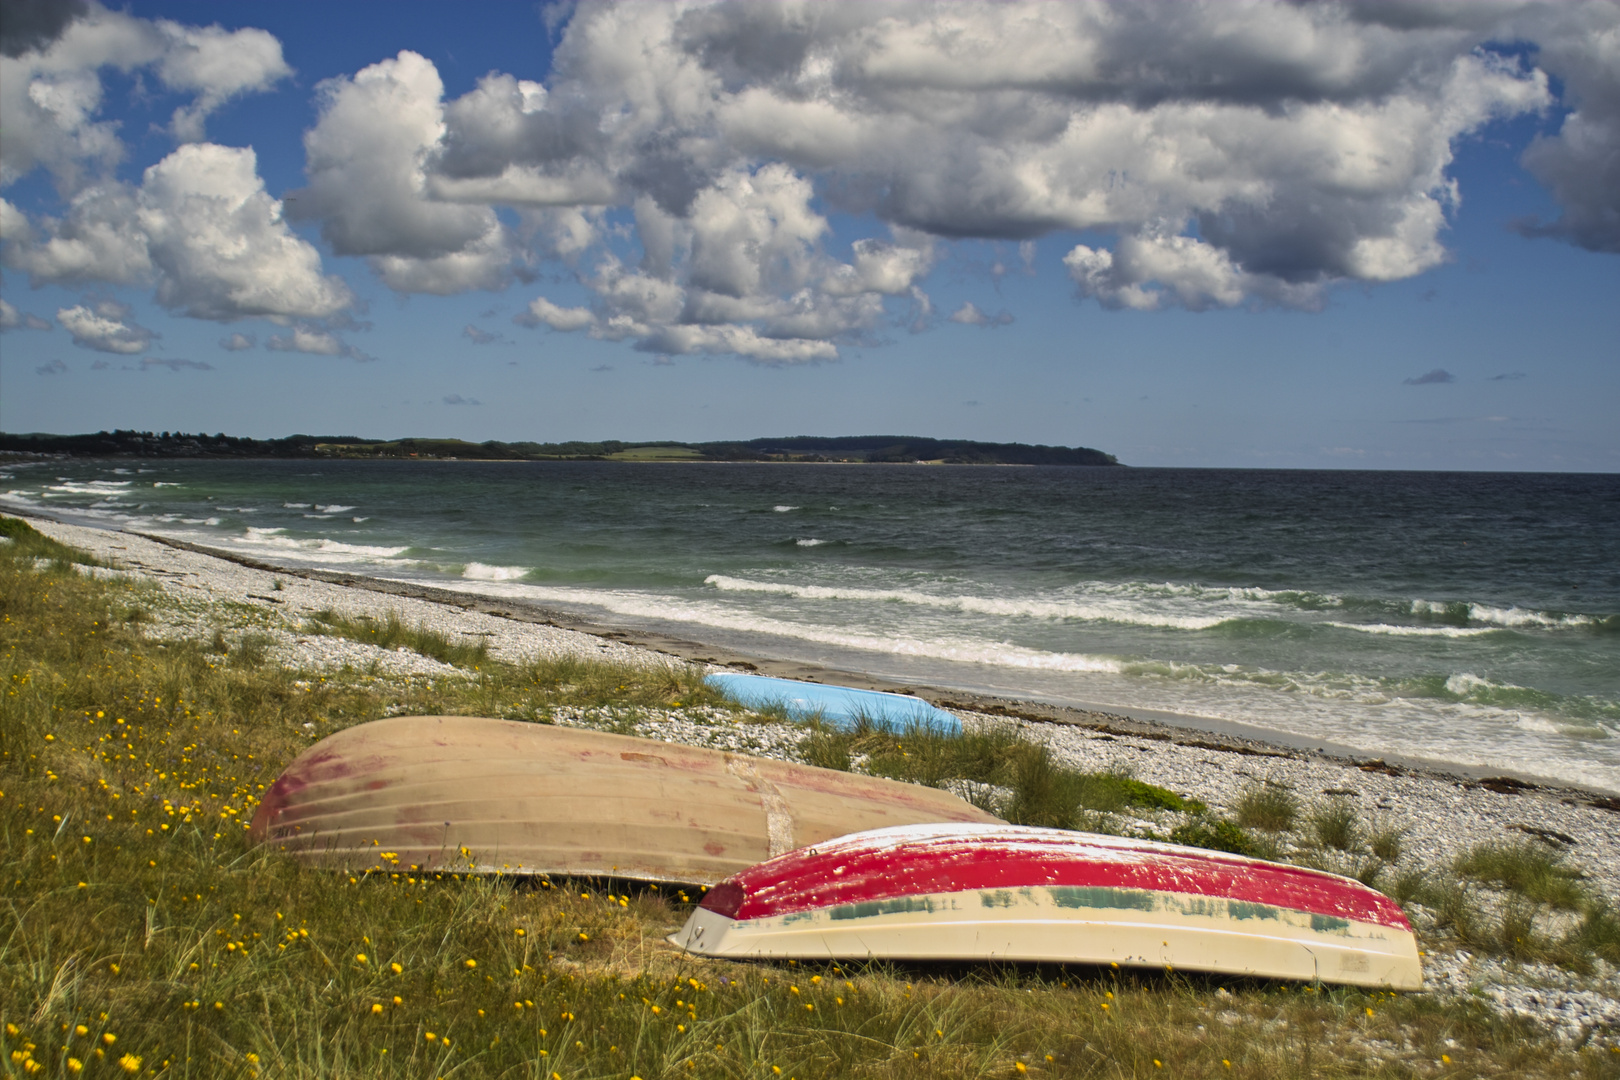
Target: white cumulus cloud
x,y
1221,153
106,328
366,161
200,227
317,342
51,95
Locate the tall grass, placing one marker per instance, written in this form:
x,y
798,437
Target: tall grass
x,y
393,633
1019,780
142,934
1266,805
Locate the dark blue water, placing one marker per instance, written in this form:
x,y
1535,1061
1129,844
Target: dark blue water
x,y
1462,616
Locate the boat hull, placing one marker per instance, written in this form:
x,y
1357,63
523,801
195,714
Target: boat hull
x,y
496,796
1014,894
841,707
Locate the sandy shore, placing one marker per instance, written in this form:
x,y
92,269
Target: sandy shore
x,y
1443,809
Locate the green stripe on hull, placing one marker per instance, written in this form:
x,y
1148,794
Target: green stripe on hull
x,y
1093,898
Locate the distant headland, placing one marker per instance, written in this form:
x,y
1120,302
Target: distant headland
x,y
853,449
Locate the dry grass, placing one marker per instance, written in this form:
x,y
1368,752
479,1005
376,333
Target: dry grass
x,y
141,934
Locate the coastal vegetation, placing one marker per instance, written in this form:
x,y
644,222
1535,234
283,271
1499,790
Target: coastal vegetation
x,y
143,934
861,449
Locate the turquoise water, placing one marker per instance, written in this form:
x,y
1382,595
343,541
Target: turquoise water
x,y
1467,617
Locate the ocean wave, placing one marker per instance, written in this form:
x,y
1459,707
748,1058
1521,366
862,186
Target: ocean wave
x,y
477,571
810,542
319,546
333,509
161,483
295,506
978,605
786,509
1416,631
1461,612
665,609
87,487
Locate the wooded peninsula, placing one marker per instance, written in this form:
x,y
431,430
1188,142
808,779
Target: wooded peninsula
x,y
862,449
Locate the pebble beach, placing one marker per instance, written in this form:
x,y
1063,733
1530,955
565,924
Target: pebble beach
x,y
1439,813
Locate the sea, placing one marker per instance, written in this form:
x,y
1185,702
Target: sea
x,y
1467,618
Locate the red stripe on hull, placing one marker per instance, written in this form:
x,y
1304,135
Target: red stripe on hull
x,y
923,860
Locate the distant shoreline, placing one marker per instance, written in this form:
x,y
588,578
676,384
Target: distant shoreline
x,y
797,449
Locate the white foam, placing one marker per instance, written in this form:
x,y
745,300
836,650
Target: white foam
x,y
786,509
333,509
296,506
1461,683
810,542
89,487
668,609
1519,617
1415,631
319,548
478,571
1106,611
1510,617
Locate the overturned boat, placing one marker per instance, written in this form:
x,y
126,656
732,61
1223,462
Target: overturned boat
x,y
841,707
1005,892
456,793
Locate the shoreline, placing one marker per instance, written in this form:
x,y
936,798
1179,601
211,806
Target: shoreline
x,y
1248,740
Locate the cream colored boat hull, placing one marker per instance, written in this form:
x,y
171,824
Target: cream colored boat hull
x,y
497,796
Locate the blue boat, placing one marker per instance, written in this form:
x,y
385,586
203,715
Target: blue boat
x,y
840,707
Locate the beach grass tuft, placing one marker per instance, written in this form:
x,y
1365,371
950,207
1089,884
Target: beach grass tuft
x,y
392,632
1266,805
1013,777
1217,834
1532,869
1336,824
142,933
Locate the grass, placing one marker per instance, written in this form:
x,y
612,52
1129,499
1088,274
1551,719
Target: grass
x,y
1014,778
1336,824
1530,868
1267,805
393,633
142,934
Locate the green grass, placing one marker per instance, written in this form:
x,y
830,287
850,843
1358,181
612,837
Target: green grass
x,y
393,633
1216,835
1266,805
1030,787
1530,868
1336,824
204,957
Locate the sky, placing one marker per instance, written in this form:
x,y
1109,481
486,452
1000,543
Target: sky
x,y
1351,235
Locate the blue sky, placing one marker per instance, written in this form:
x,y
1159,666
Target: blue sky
x,y
1319,237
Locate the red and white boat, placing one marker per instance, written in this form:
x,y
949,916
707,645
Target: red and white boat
x,y
1005,892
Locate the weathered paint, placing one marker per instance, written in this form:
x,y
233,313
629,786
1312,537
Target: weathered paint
x,y
1079,896
923,859
919,893
498,796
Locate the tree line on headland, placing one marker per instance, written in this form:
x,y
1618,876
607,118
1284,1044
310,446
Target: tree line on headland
x,y
873,449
